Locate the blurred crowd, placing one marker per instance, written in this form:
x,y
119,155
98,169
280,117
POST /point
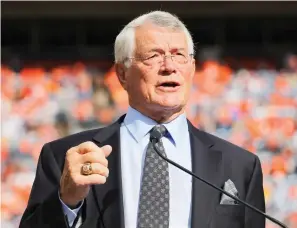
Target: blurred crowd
x,y
252,106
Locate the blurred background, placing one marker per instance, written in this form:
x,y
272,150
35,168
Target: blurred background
x,y
57,78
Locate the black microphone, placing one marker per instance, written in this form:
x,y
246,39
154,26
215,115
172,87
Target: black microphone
x,y
155,136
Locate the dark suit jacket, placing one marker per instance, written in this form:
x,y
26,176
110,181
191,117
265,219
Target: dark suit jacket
x,y
214,159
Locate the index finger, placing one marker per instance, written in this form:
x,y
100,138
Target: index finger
x,y
87,147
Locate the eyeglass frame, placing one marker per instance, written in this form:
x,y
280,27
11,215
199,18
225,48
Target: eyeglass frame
x,y
163,58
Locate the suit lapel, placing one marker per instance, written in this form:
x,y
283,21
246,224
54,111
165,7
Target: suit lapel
x,y
109,195
206,163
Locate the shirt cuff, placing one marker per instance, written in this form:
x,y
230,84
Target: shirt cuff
x,y
71,214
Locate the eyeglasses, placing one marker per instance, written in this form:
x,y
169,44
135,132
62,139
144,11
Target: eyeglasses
x,y
157,58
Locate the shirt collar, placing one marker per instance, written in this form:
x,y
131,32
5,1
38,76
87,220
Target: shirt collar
x,y
139,125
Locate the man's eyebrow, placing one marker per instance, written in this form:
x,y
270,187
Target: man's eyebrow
x,y
179,49
161,50
156,50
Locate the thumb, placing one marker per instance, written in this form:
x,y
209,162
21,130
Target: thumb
x,y
106,150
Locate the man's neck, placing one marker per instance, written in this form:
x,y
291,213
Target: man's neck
x,y
161,116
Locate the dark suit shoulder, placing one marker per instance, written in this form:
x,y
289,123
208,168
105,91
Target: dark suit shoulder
x,y
236,159
230,149
239,164
227,148
60,146
76,138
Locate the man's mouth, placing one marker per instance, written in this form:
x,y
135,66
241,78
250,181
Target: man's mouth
x,y
169,86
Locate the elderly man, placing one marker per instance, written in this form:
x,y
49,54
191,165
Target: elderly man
x,y
112,177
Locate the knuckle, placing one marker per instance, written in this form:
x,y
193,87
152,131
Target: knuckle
x,y
103,161
70,160
101,155
88,144
103,179
87,157
70,151
97,169
107,172
103,171
93,157
71,154
87,147
97,157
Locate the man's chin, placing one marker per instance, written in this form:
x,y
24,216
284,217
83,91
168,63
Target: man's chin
x,y
167,112
169,106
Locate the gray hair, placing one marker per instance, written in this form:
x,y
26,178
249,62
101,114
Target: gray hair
x,y
125,41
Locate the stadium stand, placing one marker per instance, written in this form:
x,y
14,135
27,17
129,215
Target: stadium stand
x,y
252,105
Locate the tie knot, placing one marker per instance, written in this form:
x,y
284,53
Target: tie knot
x,y
158,131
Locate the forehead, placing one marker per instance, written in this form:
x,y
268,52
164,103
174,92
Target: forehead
x,y
149,37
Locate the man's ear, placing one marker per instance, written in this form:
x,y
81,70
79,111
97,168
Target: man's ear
x,y
194,67
121,73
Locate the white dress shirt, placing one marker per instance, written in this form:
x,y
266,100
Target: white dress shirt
x,y
134,135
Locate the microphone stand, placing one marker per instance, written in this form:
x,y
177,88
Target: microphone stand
x,y
155,140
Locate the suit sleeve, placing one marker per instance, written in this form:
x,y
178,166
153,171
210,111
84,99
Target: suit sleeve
x,y
44,208
255,196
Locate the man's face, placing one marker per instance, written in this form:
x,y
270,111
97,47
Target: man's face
x,y
154,86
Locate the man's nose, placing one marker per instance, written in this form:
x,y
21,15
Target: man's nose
x,y
168,64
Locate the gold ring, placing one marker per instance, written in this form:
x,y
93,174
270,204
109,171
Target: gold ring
x,y
86,169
